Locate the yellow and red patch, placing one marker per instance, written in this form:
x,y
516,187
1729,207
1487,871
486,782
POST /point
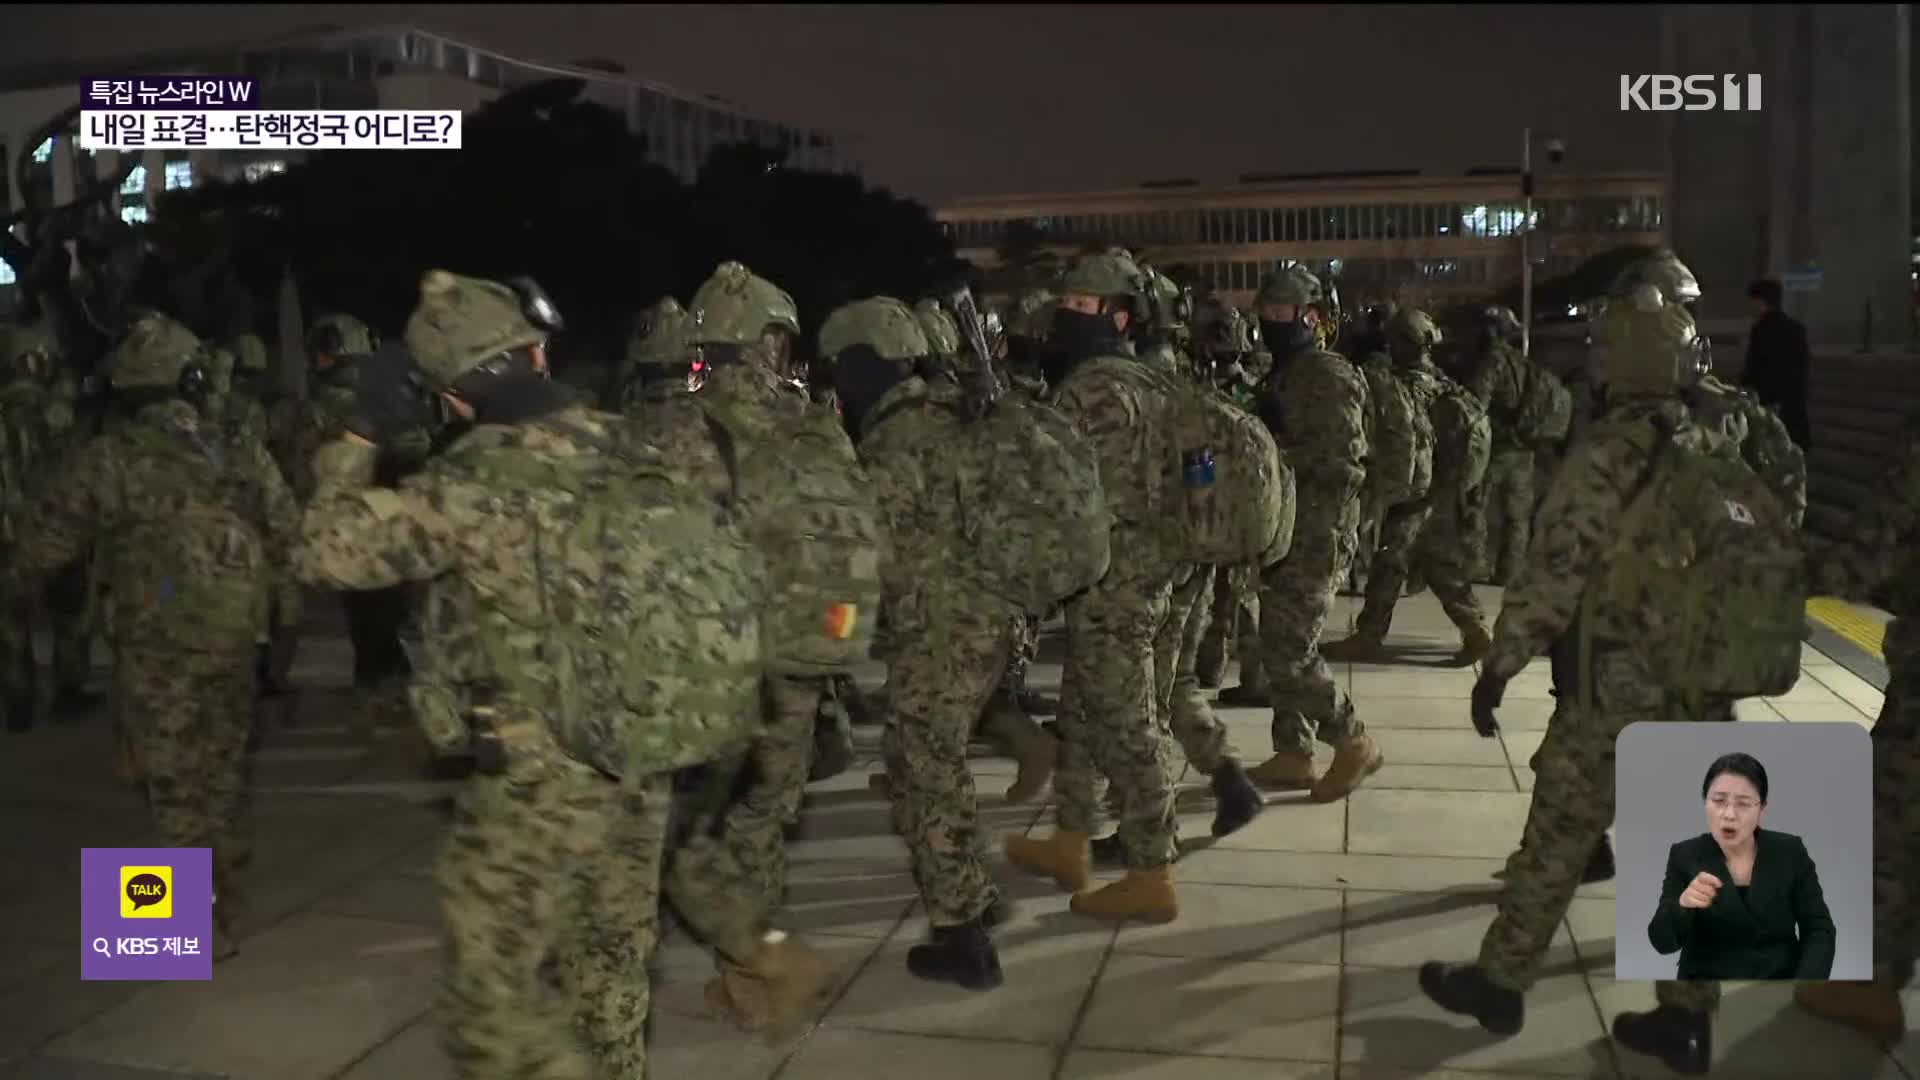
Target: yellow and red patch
x,y
841,620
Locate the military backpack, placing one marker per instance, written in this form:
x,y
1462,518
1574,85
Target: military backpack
x,y
1219,490
1711,574
1400,438
1462,438
1546,409
808,508
637,627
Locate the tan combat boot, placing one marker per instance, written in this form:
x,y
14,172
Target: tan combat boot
x,y
1354,760
1142,896
1284,772
1866,1007
1359,647
1037,758
1475,645
1064,857
778,989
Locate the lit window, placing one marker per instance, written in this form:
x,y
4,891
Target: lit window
x,y
260,170
1474,220
6,273
136,181
45,152
179,174
134,215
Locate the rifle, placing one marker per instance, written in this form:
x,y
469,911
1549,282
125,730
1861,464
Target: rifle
x,y
981,385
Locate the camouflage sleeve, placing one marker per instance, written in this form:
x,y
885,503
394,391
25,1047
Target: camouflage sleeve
x,y
1105,414
280,510
1771,452
357,536
1327,417
1572,534
68,514
1880,539
896,486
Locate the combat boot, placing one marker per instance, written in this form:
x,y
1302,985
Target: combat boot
x,y
1237,801
1038,755
961,954
1284,771
1865,1007
1037,704
1354,760
1359,647
1680,1038
1475,645
777,989
1465,989
1142,896
1064,857
1244,696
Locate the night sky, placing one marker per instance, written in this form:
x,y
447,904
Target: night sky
x,y
950,101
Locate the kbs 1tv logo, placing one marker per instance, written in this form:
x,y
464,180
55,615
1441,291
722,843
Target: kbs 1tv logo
x,y
1690,93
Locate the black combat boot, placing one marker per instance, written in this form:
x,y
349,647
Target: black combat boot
x,y
1599,864
961,954
1681,1038
997,912
1037,704
1236,800
1464,989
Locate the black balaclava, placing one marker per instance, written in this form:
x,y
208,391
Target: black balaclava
x,y
1283,339
861,377
509,390
1082,337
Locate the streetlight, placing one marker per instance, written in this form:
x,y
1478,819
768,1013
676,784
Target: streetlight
x,y
1556,150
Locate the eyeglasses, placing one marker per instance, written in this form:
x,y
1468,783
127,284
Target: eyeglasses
x,y
1741,804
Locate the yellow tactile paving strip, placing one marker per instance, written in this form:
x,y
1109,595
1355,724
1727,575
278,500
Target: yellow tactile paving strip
x,y
1849,622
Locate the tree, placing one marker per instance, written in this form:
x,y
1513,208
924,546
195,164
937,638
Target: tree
x,y
1584,282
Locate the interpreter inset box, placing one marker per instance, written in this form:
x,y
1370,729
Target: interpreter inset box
x,y
1744,851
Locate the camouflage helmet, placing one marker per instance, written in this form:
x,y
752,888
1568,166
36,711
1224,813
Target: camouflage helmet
x,y
156,351
1166,300
1659,278
249,353
1295,285
1501,319
942,333
462,322
1033,316
1411,325
735,307
887,326
1113,273
660,334
340,335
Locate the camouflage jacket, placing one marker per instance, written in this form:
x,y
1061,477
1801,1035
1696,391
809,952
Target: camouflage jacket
x,y
1758,436
1110,414
1576,530
439,525
114,486
37,424
302,427
1501,377
1880,558
1316,406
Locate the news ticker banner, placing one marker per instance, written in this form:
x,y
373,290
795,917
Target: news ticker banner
x,y
146,914
182,112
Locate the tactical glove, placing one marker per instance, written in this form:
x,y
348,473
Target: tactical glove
x,y
389,399
1487,693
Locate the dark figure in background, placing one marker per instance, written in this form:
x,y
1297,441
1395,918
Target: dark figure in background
x,y
1778,361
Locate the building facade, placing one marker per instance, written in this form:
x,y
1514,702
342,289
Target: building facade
x,y
1426,240
387,68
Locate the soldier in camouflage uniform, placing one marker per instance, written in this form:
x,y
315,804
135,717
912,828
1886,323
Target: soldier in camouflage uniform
x,y
248,418
948,641
1574,790
1315,404
1368,350
552,867
192,522
727,879
374,617
1429,534
1500,375
1108,718
24,438
658,360
1881,558
1759,435
1225,345
943,336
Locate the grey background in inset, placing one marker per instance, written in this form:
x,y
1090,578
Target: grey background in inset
x,y
1819,788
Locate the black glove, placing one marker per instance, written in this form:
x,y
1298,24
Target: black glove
x,y
1487,692
388,397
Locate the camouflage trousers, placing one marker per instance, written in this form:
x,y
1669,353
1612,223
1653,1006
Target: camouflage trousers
x,y
1108,721
1572,807
287,607
1508,498
1003,720
1896,811
941,678
1219,639
71,601
1367,540
1177,694
728,887
1296,597
184,718
1246,629
550,882
1426,540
